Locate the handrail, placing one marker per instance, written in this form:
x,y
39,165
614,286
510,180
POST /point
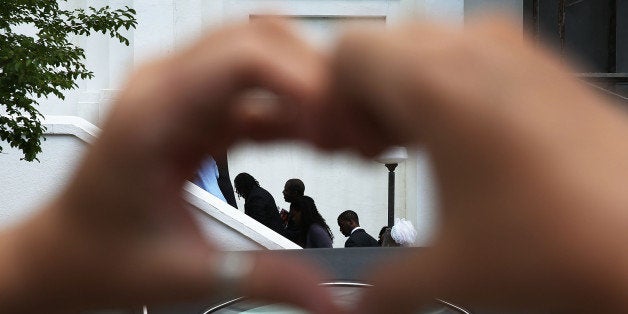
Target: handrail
x,y
331,284
612,78
604,77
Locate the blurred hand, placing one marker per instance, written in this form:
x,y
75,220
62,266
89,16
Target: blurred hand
x,y
120,234
531,171
531,168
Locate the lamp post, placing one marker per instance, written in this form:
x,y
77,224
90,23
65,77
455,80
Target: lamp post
x,y
391,158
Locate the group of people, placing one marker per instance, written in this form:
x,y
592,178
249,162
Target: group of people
x,y
402,233
303,224
531,168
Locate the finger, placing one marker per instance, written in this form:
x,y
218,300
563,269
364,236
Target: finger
x,y
219,276
268,54
362,131
272,58
407,284
498,26
290,280
333,123
189,97
367,79
425,82
180,273
267,117
259,277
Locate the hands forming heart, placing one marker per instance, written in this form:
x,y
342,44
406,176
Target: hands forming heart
x,y
532,173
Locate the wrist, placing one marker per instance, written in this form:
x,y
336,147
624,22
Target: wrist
x,y
32,264
13,278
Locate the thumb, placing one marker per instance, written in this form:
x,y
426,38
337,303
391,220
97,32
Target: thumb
x,y
192,275
411,281
287,280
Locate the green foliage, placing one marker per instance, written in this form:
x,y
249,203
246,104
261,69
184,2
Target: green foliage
x,y
32,67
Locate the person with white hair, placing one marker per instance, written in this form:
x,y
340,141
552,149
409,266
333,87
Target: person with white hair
x,y
401,234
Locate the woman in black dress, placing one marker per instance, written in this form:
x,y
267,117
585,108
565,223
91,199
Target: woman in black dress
x,y
315,233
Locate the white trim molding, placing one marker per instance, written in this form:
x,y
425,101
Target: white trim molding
x,y
71,125
198,198
235,219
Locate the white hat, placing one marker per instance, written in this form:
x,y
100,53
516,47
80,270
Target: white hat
x,y
403,232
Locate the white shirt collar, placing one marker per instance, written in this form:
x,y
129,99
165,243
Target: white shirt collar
x,y
354,229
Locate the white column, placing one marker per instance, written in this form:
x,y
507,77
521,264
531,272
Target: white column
x,y
512,7
97,52
120,55
154,35
188,21
212,13
120,64
426,214
450,10
96,47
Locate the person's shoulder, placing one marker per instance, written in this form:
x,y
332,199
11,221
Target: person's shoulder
x,y
364,236
257,191
359,232
372,241
260,191
316,228
318,236
368,235
350,242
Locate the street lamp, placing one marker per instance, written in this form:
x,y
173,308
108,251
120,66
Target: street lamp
x,y
391,158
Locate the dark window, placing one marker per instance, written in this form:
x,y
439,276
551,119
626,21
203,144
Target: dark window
x,y
592,33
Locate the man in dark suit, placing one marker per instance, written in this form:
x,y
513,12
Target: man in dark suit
x,y
293,189
259,204
350,227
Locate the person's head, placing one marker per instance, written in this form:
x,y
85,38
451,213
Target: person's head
x,y
347,221
381,233
293,189
244,183
304,213
401,234
386,239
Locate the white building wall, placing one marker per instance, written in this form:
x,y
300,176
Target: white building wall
x,y
336,181
27,186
